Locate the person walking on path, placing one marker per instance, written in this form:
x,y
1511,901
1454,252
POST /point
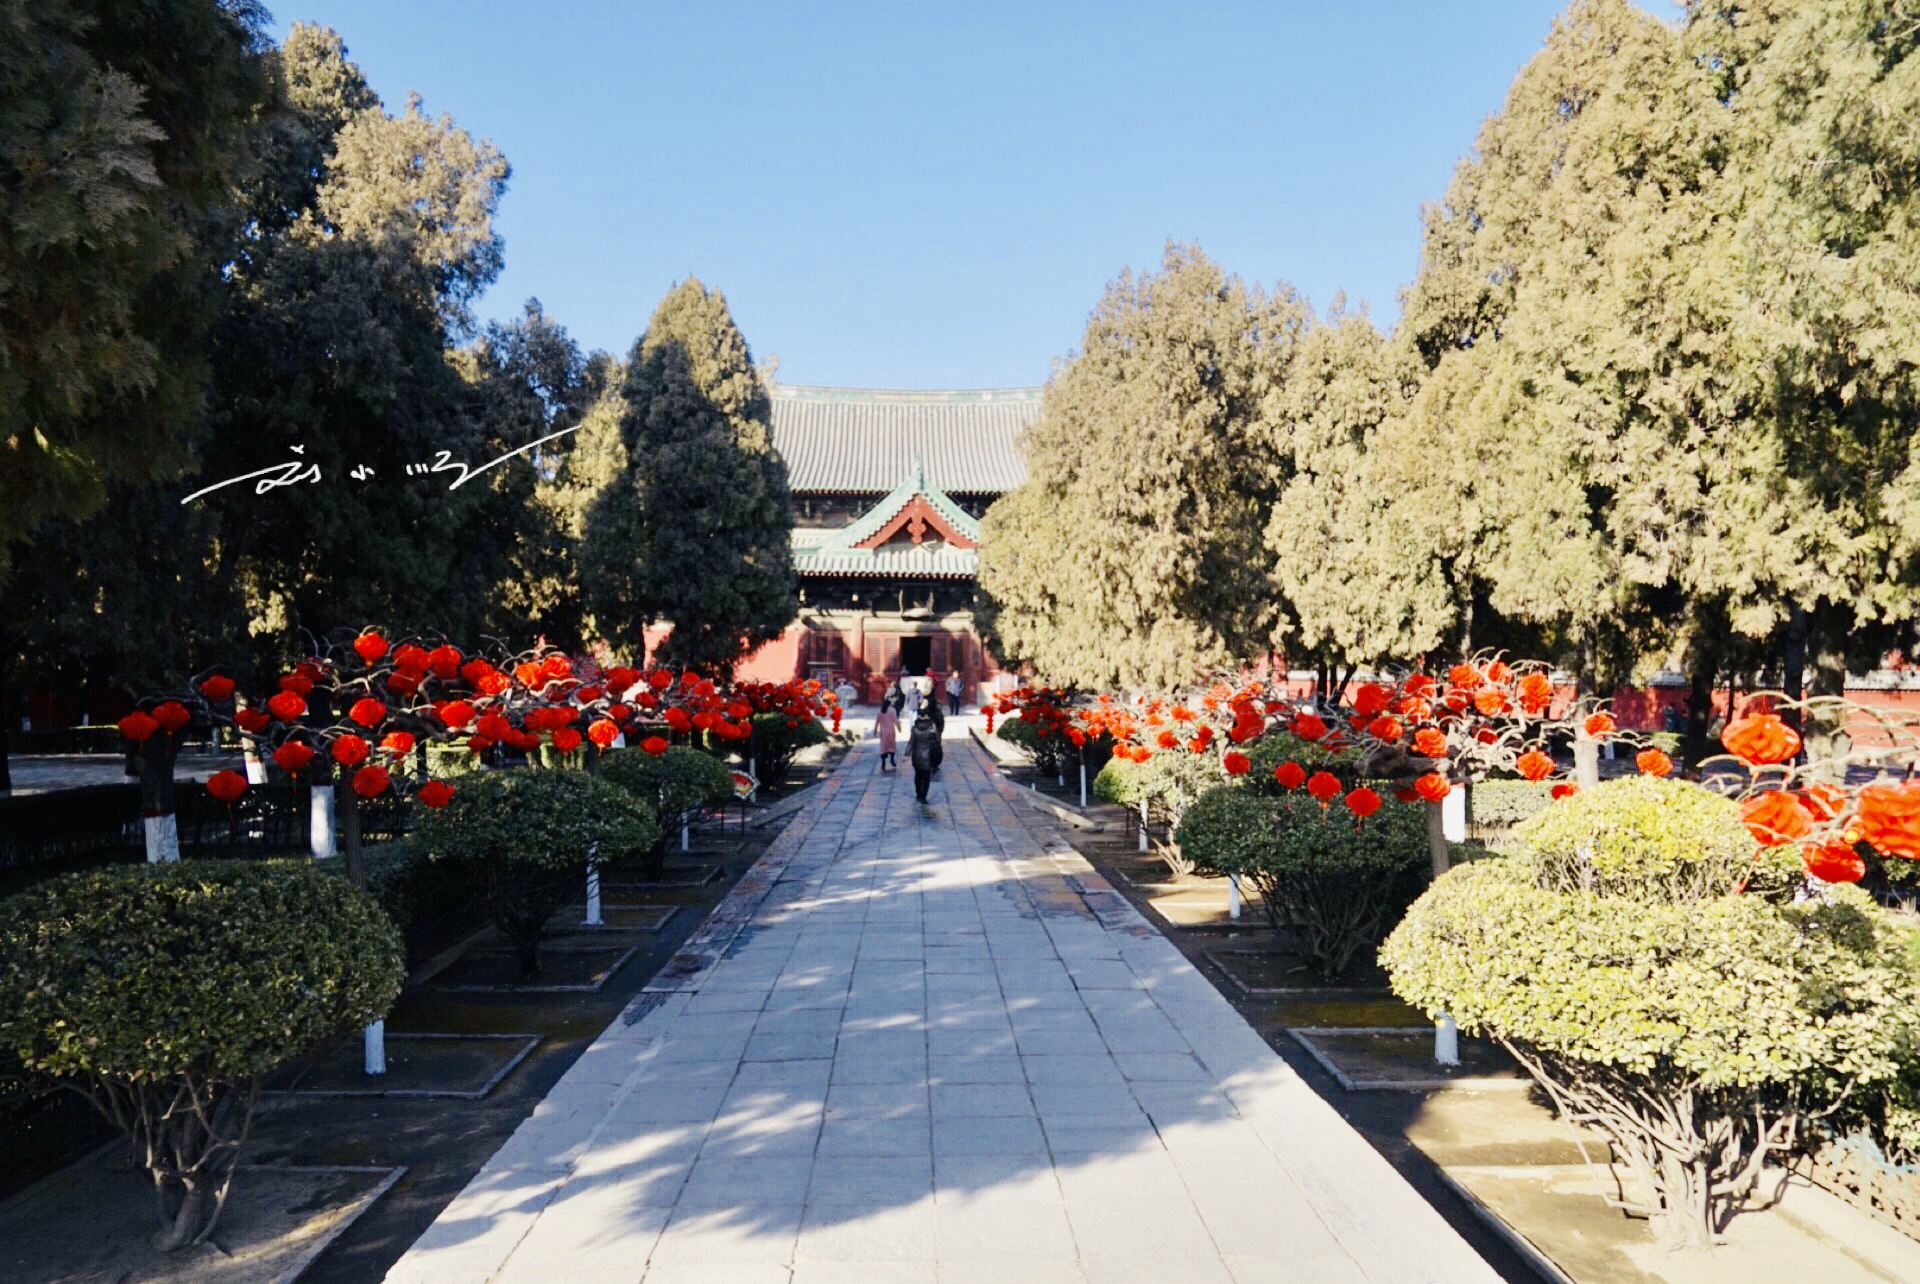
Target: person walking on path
x,y
955,688
922,748
932,712
887,727
915,703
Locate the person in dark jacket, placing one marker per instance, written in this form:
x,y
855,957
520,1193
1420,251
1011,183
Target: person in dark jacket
x,y
932,708
923,748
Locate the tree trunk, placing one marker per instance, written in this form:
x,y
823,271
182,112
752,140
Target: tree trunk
x,y
7,707
1705,671
347,804
1825,733
1793,662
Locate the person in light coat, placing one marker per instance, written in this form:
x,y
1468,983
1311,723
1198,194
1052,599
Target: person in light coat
x,y
887,727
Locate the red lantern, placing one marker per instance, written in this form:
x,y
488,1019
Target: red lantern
x,y
435,793
287,706
138,727
371,782
293,757
349,750
227,786
1363,802
369,646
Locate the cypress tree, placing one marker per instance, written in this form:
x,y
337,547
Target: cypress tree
x,y
1355,585
696,532
122,127
1131,553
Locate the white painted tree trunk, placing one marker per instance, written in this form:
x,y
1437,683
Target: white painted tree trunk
x,y
1446,1042
593,918
1233,896
1586,762
683,835
375,1040
1453,827
1083,785
1143,827
256,768
162,838
320,822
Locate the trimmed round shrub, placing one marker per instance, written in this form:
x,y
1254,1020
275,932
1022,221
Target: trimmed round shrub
x,y
1650,837
1336,880
1169,782
163,993
421,896
527,836
1501,804
675,785
1166,784
775,745
1045,752
1698,1027
1276,747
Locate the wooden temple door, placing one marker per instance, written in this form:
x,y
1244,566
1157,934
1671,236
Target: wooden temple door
x,y
883,663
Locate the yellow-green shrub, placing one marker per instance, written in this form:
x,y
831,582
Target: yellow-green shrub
x,y
1698,1027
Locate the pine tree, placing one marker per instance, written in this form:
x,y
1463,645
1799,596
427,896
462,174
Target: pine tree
x,y
696,531
1131,553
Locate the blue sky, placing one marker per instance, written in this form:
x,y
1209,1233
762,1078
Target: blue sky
x,y
934,195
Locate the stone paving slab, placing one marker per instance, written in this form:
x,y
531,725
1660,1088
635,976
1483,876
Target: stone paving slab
x,y
933,1044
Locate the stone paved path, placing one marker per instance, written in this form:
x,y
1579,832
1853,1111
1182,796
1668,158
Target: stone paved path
x,y
933,1046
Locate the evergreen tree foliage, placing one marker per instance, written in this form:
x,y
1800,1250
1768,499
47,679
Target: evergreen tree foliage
x,y
1356,584
333,352
1131,553
595,461
122,126
1667,310
530,382
696,530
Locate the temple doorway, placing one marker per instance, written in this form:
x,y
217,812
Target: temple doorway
x,y
916,655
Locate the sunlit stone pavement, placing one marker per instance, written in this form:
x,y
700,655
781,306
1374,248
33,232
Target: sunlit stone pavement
x,y
922,1045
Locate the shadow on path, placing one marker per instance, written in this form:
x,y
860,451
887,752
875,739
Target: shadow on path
x,y
931,1044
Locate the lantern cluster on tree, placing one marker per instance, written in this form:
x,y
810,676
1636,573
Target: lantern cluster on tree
x,y
364,707
1427,734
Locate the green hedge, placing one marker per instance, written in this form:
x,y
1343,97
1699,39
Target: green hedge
x,y
1337,881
